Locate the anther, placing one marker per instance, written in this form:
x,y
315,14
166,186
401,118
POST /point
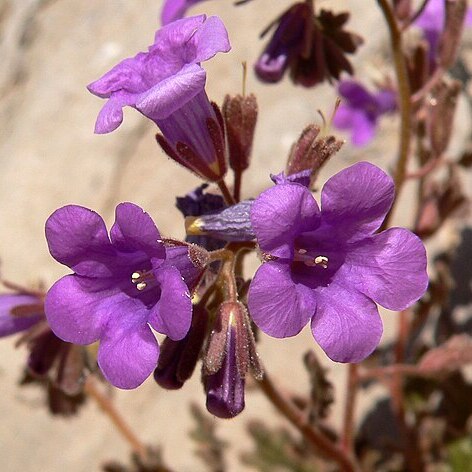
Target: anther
x,y
135,276
141,286
322,261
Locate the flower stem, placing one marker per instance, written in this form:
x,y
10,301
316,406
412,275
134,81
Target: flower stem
x,y
350,405
237,185
310,433
229,199
107,406
404,93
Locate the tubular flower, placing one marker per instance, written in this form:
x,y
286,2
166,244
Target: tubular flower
x,y
329,267
123,285
362,109
167,85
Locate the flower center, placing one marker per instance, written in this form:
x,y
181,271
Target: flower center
x,y
302,255
141,279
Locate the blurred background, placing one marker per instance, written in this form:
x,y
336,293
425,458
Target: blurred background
x,y
50,50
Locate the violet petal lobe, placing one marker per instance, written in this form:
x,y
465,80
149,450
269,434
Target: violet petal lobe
x,y
134,230
389,267
363,128
292,209
172,314
76,311
10,324
210,39
346,324
128,356
77,237
279,306
173,10
172,93
110,116
356,200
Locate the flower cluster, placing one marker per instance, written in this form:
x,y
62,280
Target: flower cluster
x,y
326,266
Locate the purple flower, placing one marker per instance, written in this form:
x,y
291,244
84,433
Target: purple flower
x,y
123,285
361,110
19,312
167,85
431,22
175,10
329,267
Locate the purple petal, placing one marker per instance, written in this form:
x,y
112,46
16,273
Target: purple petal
x,y
173,36
10,324
179,258
281,213
172,314
172,93
125,76
356,200
77,237
173,10
134,230
356,94
127,356
389,267
77,314
109,117
363,128
210,39
346,324
279,306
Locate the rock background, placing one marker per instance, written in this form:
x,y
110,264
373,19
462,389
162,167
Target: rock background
x,y
49,157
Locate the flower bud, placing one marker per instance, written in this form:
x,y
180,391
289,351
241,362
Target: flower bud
x,y
311,152
231,224
177,359
230,353
240,116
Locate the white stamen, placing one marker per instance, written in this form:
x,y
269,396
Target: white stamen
x,y
141,286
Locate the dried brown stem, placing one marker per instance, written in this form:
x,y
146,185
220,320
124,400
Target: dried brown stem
x,y
349,409
106,405
404,94
229,199
311,434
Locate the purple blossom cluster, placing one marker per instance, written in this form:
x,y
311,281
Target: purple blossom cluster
x,y
328,266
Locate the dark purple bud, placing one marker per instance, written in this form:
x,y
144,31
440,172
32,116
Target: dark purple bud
x,y
193,136
231,224
177,359
231,352
292,37
240,116
326,57
311,152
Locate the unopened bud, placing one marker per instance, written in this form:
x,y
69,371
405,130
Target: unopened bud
x,y
311,152
240,116
231,224
177,359
231,352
